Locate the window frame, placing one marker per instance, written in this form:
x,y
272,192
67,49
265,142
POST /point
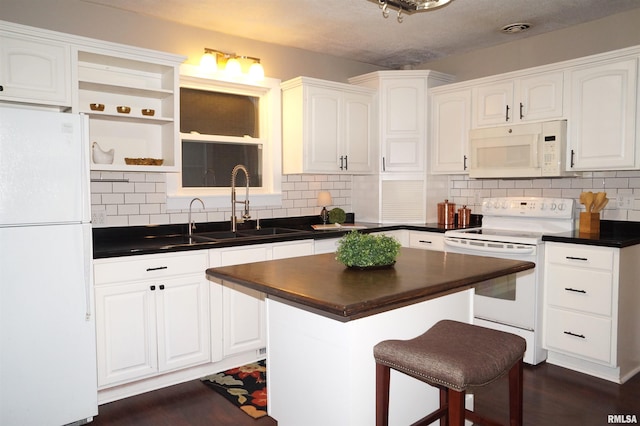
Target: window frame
x,y
270,131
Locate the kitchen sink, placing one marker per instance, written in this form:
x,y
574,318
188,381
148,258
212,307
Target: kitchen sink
x,y
268,231
244,234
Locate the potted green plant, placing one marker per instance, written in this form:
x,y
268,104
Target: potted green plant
x,y
365,251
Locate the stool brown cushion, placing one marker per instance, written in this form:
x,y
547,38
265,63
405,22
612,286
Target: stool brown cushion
x,y
453,354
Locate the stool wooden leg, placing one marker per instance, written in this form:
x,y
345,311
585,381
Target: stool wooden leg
x,y
516,394
383,375
444,402
456,408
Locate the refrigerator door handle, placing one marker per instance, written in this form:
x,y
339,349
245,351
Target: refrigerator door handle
x,y
88,269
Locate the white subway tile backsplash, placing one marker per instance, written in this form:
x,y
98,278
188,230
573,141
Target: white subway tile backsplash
x,y
142,200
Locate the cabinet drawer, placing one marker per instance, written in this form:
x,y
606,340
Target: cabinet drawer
x,y
426,240
580,289
149,267
583,335
582,256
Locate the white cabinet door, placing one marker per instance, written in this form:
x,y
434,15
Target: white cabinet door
x,y
324,131
359,140
450,125
493,104
244,322
34,70
403,124
183,322
603,115
125,332
539,97
243,310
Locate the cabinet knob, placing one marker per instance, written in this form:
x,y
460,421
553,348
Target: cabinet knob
x,y
1,88
161,286
152,288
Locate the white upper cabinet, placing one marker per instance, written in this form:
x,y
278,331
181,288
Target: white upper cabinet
x,y
450,125
327,127
34,70
604,114
529,98
402,116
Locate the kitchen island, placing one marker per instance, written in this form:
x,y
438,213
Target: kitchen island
x,y
323,320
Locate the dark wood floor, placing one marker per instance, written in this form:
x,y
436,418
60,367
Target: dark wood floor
x,y
552,396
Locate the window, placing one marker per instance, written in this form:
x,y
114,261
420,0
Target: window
x,y
222,124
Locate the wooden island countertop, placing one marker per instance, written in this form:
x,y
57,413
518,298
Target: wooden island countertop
x,y
322,285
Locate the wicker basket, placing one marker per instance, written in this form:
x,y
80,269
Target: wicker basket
x,y
144,161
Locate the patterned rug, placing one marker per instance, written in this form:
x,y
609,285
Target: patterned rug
x,y
244,386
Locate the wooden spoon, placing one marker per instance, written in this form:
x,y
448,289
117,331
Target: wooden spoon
x,y
601,206
583,196
597,204
588,201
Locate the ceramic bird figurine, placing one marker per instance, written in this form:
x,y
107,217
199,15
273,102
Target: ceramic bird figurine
x,y
101,157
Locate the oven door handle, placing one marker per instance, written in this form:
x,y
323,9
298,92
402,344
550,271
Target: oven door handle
x,y
455,242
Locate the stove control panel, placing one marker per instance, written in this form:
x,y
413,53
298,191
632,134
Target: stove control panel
x,y
561,208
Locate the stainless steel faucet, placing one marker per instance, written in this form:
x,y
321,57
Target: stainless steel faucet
x,y
245,215
192,225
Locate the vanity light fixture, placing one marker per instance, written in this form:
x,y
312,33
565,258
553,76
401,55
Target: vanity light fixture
x,y
408,6
213,59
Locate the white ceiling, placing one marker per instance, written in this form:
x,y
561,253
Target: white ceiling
x,y
356,29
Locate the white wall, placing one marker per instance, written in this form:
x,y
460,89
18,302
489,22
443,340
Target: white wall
x,y
602,35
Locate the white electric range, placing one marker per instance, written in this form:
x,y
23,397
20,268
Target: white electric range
x,y
512,228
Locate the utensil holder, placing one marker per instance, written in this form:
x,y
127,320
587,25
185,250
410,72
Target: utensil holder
x,y
589,223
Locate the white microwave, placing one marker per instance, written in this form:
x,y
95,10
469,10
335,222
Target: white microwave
x,y
518,151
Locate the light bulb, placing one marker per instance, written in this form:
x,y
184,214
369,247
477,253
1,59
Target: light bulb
x,y
208,63
233,67
256,72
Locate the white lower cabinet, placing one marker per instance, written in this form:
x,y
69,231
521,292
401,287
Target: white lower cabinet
x,y
590,309
426,240
152,315
243,309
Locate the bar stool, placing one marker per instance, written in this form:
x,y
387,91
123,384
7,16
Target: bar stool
x,y
452,356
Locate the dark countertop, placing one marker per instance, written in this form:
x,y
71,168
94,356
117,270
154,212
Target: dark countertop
x,y
613,233
321,284
153,239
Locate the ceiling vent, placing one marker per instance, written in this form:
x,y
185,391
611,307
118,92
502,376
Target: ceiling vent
x,y
515,28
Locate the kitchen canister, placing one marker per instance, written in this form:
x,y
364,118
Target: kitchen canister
x,y
446,213
464,216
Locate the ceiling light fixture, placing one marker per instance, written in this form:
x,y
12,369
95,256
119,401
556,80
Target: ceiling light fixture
x,y
212,59
409,6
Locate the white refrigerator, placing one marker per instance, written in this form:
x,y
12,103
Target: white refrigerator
x,y
47,325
